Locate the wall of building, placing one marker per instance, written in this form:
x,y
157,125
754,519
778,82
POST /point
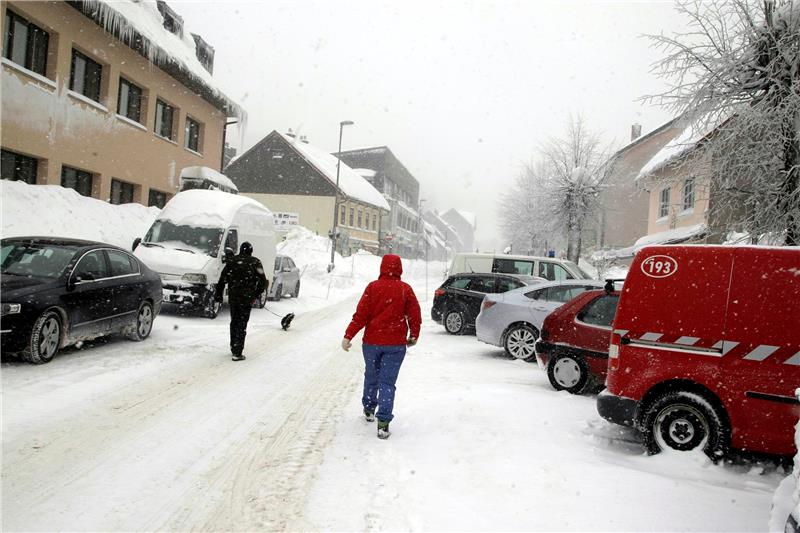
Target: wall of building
x,y
625,207
673,177
41,118
315,212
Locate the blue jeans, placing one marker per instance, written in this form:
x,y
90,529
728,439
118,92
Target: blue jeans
x,y
382,365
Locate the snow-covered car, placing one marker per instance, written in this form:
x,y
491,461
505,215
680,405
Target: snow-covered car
x,y
458,301
513,319
286,278
57,292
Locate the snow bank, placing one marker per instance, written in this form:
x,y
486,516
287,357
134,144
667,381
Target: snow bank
x,y
787,497
56,211
311,254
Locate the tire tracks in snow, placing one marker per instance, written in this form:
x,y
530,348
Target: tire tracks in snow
x,y
163,452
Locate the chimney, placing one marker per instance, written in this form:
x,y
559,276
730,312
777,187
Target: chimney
x,y
290,133
304,139
636,131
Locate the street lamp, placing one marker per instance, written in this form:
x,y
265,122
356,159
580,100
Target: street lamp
x,y
334,232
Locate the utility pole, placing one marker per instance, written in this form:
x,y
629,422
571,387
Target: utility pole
x,y
335,230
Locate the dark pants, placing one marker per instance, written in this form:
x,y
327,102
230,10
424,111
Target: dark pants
x,y
240,314
381,368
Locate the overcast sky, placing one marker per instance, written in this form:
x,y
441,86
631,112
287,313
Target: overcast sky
x,y
462,92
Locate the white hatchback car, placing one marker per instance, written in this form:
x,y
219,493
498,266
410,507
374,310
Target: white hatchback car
x,y
513,319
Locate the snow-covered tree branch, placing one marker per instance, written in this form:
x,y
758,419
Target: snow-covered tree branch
x,y
738,70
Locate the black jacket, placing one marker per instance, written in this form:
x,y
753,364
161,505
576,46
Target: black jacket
x,y
245,278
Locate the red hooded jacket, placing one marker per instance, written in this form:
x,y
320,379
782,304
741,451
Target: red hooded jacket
x,y
388,308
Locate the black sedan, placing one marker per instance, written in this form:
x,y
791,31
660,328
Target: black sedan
x,y
457,302
57,292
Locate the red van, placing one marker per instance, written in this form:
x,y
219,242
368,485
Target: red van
x,y
705,349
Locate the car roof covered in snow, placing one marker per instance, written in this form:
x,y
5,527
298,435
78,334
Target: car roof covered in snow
x,y
207,208
208,174
58,241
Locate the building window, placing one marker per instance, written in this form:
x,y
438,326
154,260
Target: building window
x,y
663,204
17,167
129,102
86,76
165,114
342,212
374,221
359,218
79,180
157,199
25,43
121,192
688,194
192,137
352,215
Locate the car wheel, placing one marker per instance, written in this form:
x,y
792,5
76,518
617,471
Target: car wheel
x,y
144,322
278,293
455,322
261,301
296,292
684,421
45,339
568,372
520,341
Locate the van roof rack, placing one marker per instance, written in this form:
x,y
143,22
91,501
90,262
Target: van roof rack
x,y
609,286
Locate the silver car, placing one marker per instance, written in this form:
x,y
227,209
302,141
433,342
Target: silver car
x,y
285,279
513,319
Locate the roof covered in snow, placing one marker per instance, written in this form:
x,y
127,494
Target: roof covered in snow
x,y
350,183
692,134
175,54
208,174
672,236
469,216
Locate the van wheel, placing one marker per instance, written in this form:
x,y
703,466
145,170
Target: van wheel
x,y
684,421
455,322
212,306
45,339
568,372
520,341
144,322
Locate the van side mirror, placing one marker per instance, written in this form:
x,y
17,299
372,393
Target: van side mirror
x,y
135,244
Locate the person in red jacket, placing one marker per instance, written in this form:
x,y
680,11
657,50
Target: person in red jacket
x,y
387,309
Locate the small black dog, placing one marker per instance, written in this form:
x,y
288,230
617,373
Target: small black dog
x,y
287,321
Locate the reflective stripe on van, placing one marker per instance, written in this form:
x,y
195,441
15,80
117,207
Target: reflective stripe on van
x,y
708,347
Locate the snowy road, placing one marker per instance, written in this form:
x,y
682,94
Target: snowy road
x,y
170,434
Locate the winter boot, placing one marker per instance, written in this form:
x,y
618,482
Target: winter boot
x,y
369,415
383,430
239,357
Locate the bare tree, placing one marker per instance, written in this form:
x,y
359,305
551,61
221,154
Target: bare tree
x,y
557,195
738,69
521,211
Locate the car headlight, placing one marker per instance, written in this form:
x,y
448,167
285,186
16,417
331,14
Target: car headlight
x,y
11,309
194,278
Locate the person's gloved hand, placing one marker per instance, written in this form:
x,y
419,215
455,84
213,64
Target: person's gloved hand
x,y
346,345
411,341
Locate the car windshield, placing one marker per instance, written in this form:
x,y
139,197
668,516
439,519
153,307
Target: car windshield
x,y
187,238
582,274
35,260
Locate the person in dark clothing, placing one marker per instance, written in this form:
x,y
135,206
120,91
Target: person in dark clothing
x,y
387,310
245,278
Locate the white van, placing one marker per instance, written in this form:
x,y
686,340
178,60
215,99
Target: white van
x,y
544,267
186,244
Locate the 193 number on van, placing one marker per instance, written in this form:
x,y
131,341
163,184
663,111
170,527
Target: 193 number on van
x,y
659,266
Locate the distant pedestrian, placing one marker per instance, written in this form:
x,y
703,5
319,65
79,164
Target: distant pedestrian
x,y
387,309
245,278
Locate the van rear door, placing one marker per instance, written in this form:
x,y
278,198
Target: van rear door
x,y
763,368
671,318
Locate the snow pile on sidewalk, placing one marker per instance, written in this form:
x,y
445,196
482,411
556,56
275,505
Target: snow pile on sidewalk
x,y
55,211
312,253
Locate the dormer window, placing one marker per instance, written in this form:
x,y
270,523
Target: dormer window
x,y
172,21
